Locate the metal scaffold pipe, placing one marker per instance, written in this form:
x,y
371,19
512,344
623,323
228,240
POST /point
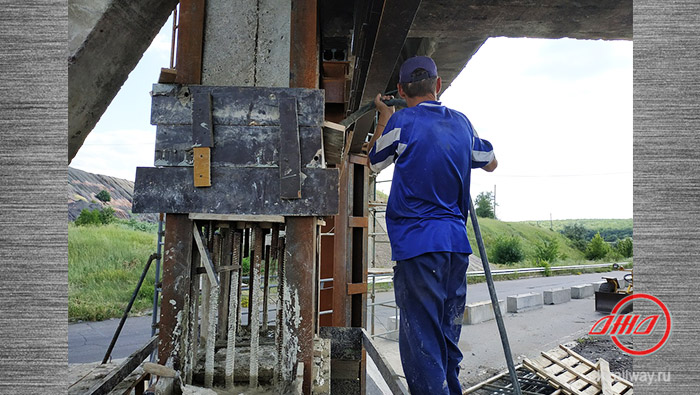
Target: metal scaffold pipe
x,y
494,301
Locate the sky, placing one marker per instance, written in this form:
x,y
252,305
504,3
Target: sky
x,y
558,113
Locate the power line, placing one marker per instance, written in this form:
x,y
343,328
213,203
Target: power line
x,y
559,175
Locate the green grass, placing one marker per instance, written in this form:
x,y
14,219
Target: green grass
x,y
104,266
610,229
530,234
105,262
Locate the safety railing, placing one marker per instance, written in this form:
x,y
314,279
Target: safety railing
x,y
378,278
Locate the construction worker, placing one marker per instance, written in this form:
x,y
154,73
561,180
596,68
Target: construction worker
x,y
434,149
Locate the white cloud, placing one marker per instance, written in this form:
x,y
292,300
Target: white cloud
x,y
559,113
116,153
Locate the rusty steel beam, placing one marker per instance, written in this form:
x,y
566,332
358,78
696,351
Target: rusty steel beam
x,y
326,271
212,307
190,42
266,287
233,307
254,303
359,243
225,279
394,24
177,270
243,250
284,361
341,306
304,48
191,345
300,276
301,283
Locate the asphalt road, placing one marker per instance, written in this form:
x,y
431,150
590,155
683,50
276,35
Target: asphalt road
x,y
88,341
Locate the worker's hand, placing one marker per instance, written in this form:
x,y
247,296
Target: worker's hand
x,y
384,110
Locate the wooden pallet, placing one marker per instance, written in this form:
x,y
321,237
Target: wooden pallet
x,y
574,374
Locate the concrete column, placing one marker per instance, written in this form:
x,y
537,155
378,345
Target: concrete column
x,y
106,40
246,43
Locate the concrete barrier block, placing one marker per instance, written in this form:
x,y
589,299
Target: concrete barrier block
x,y
557,295
478,312
393,325
524,302
581,291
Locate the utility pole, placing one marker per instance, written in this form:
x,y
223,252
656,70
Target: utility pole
x,y
551,226
494,201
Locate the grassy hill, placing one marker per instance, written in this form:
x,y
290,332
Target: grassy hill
x,y
530,234
609,229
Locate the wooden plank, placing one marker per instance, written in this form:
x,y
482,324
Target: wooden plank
x,y
358,288
235,105
591,375
253,191
593,366
206,257
619,387
390,377
358,222
358,159
121,372
333,142
202,167
237,217
539,369
581,376
290,150
189,42
557,371
167,76
605,379
236,146
202,126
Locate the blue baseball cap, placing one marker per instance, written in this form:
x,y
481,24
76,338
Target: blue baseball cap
x,y
407,72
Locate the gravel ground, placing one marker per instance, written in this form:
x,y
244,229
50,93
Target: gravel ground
x,y
593,348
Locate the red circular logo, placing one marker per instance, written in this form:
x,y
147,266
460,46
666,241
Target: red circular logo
x,y
667,331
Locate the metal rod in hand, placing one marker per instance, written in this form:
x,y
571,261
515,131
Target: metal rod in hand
x,y
352,118
128,308
494,301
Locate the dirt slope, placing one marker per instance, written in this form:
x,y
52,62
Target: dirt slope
x,y
83,186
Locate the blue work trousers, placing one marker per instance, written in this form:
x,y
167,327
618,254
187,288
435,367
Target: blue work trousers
x,y
431,291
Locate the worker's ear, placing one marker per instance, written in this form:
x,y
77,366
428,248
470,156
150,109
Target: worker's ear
x,y
438,86
401,92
